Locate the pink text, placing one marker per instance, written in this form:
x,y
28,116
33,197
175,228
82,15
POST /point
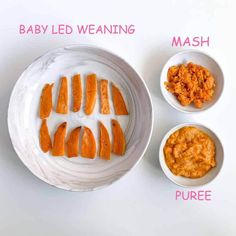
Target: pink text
x,y
200,195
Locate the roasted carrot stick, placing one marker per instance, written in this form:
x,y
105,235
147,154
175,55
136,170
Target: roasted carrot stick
x,y
88,146
119,143
118,101
105,107
72,143
58,148
44,137
62,102
105,145
76,92
91,93
46,101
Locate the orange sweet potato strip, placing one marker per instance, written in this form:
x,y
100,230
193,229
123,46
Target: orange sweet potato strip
x,y
88,146
118,101
76,92
91,93
58,148
119,143
72,143
105,107
62,102
46,101
105,145
44,137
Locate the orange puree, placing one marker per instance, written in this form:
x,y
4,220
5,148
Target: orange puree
x,y
190,152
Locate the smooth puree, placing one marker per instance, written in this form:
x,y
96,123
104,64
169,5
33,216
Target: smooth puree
x,y
190,152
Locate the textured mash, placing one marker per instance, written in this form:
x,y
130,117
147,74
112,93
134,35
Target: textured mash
x,y
190,83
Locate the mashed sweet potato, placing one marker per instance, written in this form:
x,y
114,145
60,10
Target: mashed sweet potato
x,y
190,152
190,83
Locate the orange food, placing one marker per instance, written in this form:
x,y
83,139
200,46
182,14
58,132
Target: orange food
x,y
44,137
88,146
190,152
105,145
91,93
190,83
46,101
62,102
119,143
58,148
105,107
118,101
76,92
72,143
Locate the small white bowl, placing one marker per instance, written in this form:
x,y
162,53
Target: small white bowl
x,y
200,58
187,182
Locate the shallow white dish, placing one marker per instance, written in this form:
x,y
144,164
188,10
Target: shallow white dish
x,y
78,174
197,57
187,182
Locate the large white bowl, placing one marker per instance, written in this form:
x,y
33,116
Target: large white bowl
x,y
187,182
197,57
78,174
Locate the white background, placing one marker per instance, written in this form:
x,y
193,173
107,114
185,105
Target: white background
x,y
143,202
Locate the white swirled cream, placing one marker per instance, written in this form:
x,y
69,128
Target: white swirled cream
x,y
78,174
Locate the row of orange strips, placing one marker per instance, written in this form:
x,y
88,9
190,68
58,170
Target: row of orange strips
x,y
88,147
46,103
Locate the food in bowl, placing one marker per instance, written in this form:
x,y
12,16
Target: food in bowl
x,y
68,144
190,152
72,143
58,147
190,83
79,174
105,143
76,92
44,137
62,101
45,106
104,97
91,93
119,142
118,101
88,146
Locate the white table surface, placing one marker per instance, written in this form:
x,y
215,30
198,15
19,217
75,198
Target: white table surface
x,y
143,202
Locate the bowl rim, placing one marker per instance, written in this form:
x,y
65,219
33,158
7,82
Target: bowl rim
x,y
161,155
163,89
78,46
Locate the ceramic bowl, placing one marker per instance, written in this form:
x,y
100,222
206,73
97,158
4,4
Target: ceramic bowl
x,y
79,174
187,182
197,57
